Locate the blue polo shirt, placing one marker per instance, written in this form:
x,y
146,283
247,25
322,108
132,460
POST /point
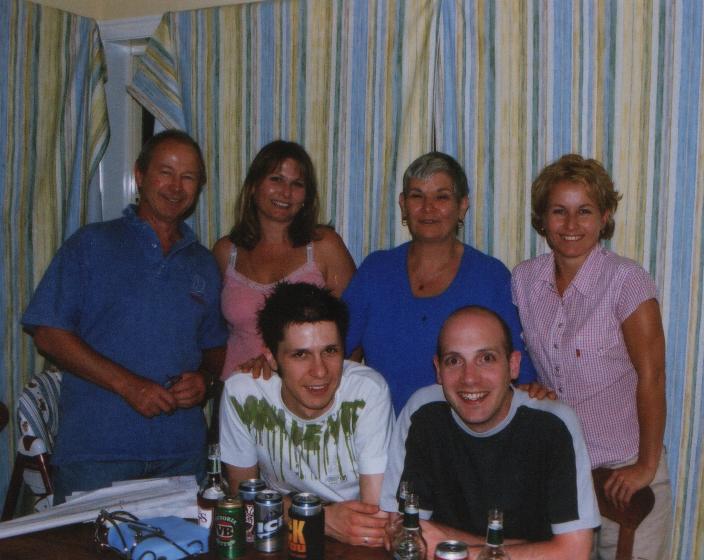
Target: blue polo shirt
x,y
111,285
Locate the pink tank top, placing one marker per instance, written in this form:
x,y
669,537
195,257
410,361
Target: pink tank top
x,y
242,298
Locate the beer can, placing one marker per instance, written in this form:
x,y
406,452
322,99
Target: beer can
x,y
269,516
451,550
248,491
229,528
306,528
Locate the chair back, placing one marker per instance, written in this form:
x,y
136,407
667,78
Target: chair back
x,y
38,409
629,518
38,422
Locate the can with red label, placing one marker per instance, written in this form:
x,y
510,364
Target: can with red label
x,y
229,528
306,528
248,491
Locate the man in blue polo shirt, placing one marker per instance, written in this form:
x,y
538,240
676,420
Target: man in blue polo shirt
x,y
130,310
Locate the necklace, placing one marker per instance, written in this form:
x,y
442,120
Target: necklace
x,y
422,283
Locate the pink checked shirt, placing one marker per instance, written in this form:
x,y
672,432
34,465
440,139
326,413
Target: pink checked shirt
x,y
577,346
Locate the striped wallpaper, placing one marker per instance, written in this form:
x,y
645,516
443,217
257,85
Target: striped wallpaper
x,y
54,127
506,87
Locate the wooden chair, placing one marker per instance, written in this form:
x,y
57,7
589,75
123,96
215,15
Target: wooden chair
x,y
37,421
629,518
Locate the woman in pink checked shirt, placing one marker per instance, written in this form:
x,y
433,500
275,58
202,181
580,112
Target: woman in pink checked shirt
x,y
592,325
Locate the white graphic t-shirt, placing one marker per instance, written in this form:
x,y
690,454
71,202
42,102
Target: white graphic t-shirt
x,y
325,455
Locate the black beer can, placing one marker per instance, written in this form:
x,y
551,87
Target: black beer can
x,y
451,550
269,517
248,491
229,528
306,528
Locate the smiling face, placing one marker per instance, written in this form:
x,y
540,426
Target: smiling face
x,y
474,369
309,361
572,221
281,194
431,208
170,184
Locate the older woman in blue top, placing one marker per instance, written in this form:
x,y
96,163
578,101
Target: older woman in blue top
x,y
400,298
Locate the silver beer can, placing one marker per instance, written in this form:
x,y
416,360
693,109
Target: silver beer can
x,y
451,550
269,517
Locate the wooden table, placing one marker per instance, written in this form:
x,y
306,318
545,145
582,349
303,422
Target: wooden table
x,y
75,542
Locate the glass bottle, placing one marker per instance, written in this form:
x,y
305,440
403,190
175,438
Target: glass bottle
x,y
409,543
404,488
494,547
214,489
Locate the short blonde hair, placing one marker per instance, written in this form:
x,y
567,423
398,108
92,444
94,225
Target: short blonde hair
x,y
575,169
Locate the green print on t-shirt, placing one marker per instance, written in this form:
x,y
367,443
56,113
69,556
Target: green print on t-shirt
x,y
268,424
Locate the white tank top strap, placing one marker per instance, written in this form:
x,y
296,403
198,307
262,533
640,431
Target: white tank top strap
x,y
309,253
233,256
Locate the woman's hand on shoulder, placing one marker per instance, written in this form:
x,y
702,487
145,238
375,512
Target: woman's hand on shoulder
x,y
537,391
334,259
221,252
256,367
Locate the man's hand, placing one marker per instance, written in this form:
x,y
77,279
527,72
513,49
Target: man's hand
x,y
355,523
189,389
625,482
257,367
148,398
537,391
434,533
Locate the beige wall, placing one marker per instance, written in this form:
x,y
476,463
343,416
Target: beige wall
x,y
112,9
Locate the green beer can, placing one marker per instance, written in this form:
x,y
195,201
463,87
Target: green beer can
x,y
229,528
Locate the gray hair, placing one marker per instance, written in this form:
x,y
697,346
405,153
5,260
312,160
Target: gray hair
x,y
437,162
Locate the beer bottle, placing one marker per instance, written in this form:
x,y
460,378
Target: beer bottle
x,y
409,543
494,547
404,488
214,489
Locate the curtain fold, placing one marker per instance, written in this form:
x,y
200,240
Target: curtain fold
x,y
348,79
506,87
55,130
521,83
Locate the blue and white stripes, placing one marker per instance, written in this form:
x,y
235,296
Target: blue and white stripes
x,y
54,126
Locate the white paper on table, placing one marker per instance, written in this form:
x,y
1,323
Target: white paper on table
x,y
154,497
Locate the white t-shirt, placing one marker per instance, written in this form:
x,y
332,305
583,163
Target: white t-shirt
x,y
325,455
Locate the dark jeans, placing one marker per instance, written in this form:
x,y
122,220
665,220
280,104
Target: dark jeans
x,y
91,475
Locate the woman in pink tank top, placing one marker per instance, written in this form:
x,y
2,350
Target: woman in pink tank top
x,y
276,237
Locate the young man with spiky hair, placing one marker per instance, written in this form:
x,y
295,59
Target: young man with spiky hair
x,y
322,425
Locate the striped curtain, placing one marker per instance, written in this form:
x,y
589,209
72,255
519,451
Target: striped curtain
x,y
54,127
520,83
337,76
504,86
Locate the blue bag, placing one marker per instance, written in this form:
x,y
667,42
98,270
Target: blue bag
x,y
156,538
